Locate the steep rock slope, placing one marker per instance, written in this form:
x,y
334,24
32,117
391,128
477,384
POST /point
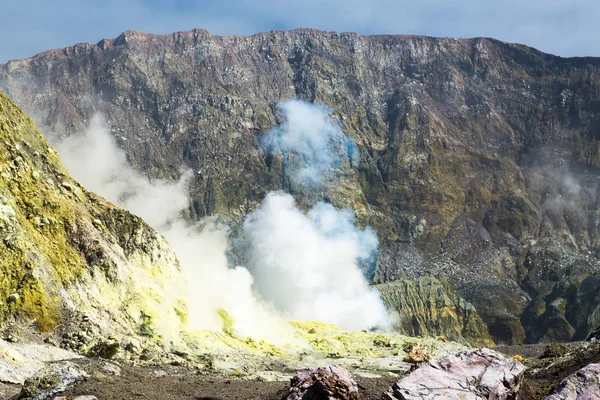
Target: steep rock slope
x,y
69,259
479,159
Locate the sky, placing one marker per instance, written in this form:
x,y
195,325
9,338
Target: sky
x,y
562,27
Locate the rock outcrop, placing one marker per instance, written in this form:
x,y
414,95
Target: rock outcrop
x,y
479,159
475,375
72,264
328,383
582,385
564,372
429,306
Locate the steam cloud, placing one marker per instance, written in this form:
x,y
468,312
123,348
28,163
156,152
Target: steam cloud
x,y
318,144
96,161
305,265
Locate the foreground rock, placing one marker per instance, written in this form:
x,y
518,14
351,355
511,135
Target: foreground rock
x,y
480,374
53,379
327,383
582,385
564,375
20,361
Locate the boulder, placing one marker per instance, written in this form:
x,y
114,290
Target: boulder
x,y
13,298
468,375
329,383
54,378
21,361
104,349
582,385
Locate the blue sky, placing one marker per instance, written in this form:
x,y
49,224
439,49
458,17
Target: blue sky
x,y
563,27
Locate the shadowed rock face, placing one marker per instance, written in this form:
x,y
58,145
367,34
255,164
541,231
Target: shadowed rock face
x,y
479,159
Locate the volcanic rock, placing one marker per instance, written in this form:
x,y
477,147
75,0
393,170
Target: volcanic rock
x,y
554,350
476,375
582,385
58,268
327,383
54,378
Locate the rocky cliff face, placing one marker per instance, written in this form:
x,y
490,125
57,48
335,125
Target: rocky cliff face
x,y
479,159
70,260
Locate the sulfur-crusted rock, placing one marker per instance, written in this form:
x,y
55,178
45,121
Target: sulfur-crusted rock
x,y
13,298
57,267
554,350
328,383
104,349
429,306
476,375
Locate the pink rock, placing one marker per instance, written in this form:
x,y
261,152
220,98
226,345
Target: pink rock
x,y
327,383
469,375
582,385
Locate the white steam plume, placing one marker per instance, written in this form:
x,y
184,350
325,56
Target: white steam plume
x,y
308,264
312,144
95,160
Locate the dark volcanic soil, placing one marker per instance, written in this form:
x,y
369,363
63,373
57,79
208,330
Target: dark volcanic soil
x,y
529,351
141,383
175,383
543,376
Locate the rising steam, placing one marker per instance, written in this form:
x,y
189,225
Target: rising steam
x,y
96,161
308,264
304,266
313,146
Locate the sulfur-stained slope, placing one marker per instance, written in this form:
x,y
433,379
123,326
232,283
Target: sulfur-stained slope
x,y
68,258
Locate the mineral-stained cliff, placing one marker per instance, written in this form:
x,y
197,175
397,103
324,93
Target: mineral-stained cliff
x,y
480,160
69,259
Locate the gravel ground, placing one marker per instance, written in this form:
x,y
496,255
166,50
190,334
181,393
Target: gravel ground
x,y
143,383
170,383
530,351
